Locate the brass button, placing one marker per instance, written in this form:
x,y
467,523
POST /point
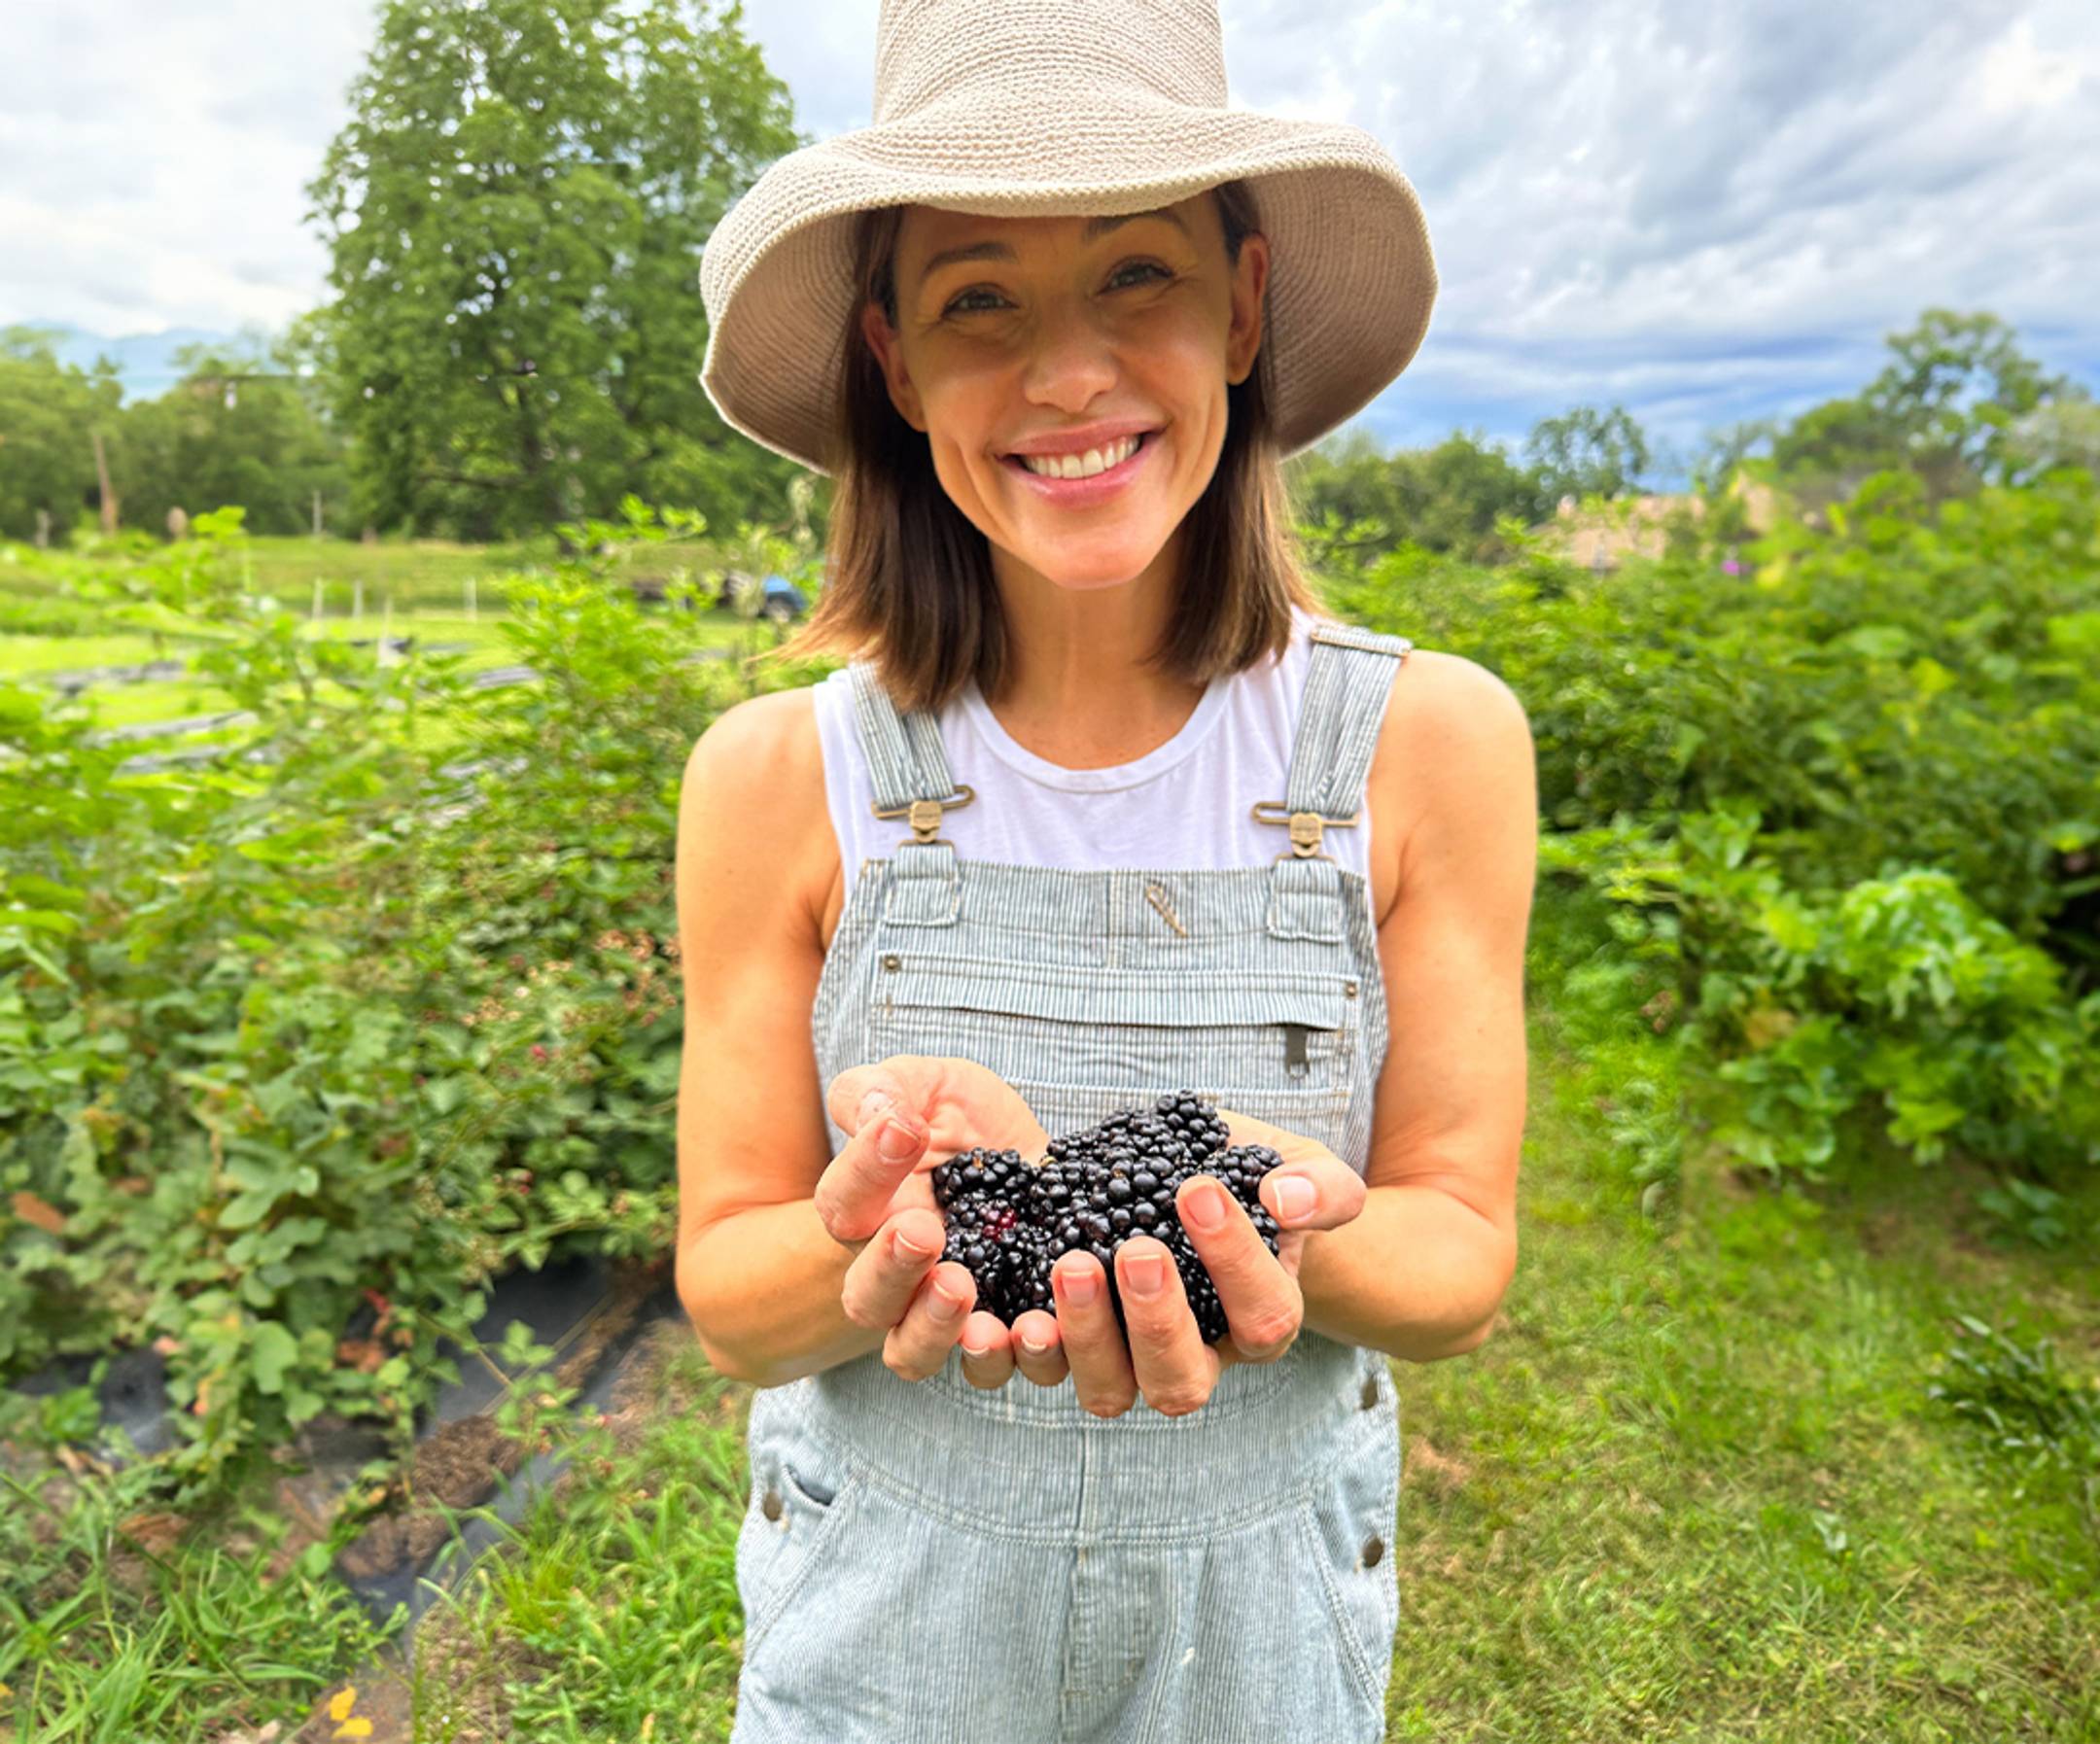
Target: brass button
x,y
1369,1393
1349,987
1373,1547
892,961
771,1505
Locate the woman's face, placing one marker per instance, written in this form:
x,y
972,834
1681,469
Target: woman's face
x,y
1051,326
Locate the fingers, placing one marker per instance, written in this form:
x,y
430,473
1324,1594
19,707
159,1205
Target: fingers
x,y
1175,1370
1264,1305
992,1350
1039,1347
1318,1192
886,1274
918,1345
988,1359
1093,1343
887,1140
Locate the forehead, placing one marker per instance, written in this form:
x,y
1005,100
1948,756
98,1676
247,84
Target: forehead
x,y
930,237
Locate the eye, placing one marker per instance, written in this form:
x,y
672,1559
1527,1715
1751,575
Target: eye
x,y
961,304
1151,266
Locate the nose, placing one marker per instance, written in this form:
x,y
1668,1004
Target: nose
x,y
1071,356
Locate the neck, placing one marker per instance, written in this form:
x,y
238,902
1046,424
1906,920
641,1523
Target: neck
x,y
1077,690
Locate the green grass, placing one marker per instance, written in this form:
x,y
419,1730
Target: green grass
x,y
1696,1488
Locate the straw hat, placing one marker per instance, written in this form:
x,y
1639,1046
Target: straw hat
x,y
1020,106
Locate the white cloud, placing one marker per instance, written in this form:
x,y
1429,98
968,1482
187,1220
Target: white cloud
x,y
1705,208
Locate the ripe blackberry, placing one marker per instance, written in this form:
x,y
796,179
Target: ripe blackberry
x,y
1009,1223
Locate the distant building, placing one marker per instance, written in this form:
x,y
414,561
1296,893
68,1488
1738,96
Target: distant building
x,y
1604,537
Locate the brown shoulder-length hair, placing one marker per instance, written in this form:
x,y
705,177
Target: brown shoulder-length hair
x,y
908,580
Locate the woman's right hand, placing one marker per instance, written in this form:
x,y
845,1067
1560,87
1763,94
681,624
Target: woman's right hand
x,y
876,1203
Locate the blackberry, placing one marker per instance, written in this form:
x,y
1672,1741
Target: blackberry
x,y
1008,1223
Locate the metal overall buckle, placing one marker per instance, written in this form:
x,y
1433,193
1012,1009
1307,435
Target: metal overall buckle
x,y
926,816
1306,827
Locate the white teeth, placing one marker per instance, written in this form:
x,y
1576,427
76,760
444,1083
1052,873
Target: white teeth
x,y
1082,466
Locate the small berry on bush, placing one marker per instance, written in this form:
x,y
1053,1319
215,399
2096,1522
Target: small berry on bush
x,y
1008,1222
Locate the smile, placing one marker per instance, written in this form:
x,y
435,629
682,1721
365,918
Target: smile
x,y
1126,459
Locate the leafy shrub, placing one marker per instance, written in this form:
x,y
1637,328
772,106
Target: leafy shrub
x,y
1897,990
1859,782
291,1063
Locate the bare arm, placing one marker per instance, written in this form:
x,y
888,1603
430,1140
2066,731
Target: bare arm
x,y
759,1274
792,1260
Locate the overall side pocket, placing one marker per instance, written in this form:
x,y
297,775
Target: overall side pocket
x,y
1349,1520
800,1492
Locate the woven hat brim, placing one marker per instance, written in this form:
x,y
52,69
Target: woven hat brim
x,y
1352,278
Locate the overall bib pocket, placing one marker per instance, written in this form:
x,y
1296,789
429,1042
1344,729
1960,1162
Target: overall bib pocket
x,y
1284,1039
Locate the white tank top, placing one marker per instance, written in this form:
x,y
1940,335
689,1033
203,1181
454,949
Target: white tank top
x,y
1187,805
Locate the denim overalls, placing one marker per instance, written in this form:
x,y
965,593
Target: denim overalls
x,y
931,1561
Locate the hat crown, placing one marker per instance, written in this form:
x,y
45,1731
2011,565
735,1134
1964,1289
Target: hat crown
x,y
927,50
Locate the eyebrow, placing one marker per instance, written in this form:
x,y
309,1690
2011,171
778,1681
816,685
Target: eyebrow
x,y
1096,228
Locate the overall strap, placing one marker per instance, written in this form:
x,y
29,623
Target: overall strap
x,y
908,769
1337,732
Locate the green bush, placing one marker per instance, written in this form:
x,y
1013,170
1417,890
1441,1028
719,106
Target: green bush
x,y
1856,792
289,1066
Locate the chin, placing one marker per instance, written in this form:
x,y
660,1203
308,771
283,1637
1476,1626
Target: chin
x,y
1089,579
1082,568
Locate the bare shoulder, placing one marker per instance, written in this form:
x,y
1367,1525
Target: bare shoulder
x,y
760,771
1454,733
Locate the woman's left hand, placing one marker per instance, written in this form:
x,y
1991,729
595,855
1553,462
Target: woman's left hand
x,y
1165,1359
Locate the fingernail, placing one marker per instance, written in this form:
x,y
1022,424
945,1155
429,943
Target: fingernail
x,y
1079,1287
1294,1196
946,1306
1034,1349
908,1249
898,1141
872,1104
970,1349
1145,1274
1205,1208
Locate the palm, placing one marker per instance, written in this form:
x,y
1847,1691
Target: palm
x,y
963,1104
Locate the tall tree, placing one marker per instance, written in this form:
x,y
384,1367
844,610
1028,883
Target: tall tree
x,y
1445,498
240,427
1954,385
516,210
48,414
1945,407
1587,451
1726,446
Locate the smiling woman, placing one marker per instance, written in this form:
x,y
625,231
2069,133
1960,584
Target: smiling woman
x,y
1018,870
957,306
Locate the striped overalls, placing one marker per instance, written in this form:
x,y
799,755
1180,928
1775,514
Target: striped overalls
x,y
931,1561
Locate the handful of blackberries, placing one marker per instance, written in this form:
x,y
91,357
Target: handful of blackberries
x,y
1008,1221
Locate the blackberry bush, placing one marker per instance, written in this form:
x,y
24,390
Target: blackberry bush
x,y
1008,1220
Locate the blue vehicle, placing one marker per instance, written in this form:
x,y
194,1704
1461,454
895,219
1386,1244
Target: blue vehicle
x,y
781,600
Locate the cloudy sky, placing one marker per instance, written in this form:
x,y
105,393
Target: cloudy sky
x,y
1708,210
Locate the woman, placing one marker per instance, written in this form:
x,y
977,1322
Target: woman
x,y
1023,862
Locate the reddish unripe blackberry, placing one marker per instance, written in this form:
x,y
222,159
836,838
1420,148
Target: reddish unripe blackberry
x,y
1008,1224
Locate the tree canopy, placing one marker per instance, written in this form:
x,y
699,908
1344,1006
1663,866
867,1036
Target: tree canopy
x,y
516,210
